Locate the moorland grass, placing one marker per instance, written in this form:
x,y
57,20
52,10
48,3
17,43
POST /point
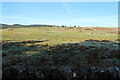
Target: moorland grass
x,y
55,35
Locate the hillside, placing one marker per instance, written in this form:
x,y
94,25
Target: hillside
x,y
60,52
4,26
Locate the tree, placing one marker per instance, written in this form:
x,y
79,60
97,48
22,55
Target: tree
x,y
75,26
63,26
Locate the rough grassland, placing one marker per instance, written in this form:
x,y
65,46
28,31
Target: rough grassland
x,y
58,35
52,52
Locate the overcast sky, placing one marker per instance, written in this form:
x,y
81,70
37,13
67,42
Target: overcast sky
x,y
91,14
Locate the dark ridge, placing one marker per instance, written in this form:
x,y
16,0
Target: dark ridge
x,y
3,26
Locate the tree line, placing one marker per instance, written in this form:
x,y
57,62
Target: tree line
x,y
3,26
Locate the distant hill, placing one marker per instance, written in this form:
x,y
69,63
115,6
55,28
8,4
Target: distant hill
x,y
3,26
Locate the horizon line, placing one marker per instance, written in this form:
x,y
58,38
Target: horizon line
x,y
60,25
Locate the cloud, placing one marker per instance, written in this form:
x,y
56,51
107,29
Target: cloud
x,y
67,8
103,21
21,19
99,19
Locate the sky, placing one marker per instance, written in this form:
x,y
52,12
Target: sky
x,y
84,14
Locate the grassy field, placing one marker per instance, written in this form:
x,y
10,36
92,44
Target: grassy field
x,y
57,35
58,49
